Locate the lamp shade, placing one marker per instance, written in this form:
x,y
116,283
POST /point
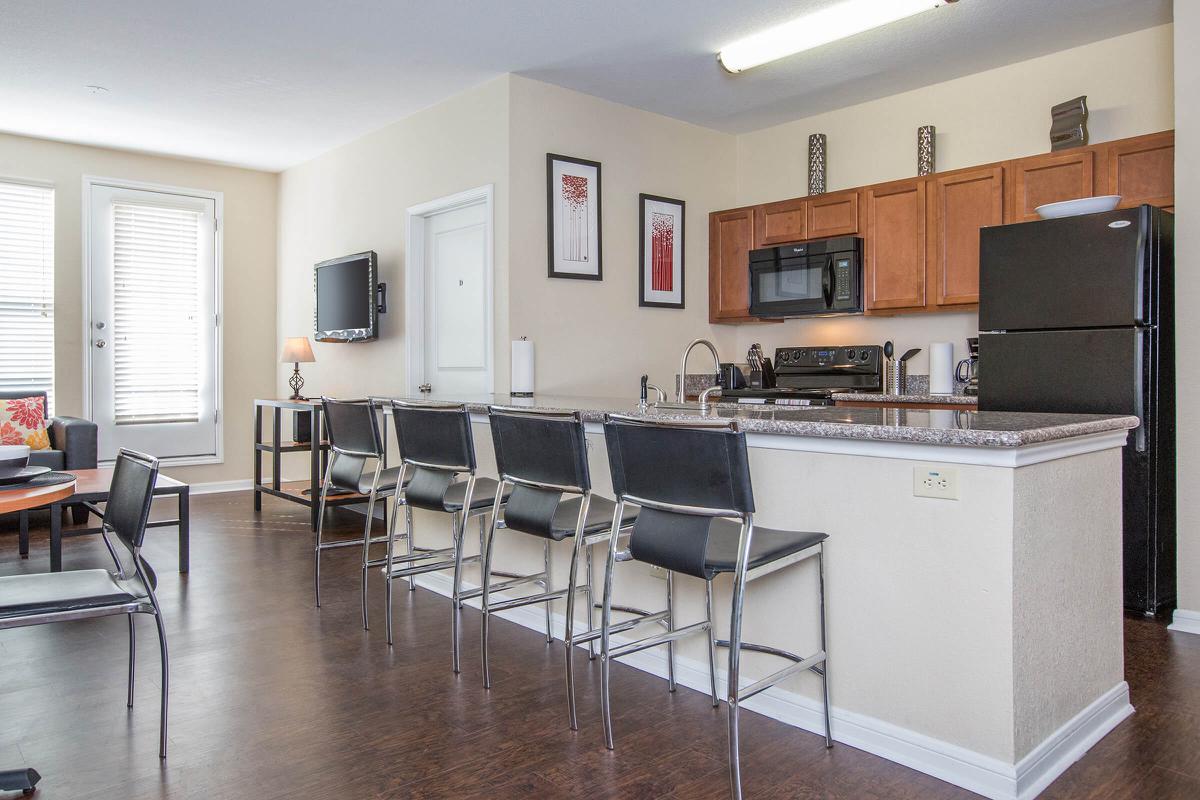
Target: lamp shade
x,y
296,349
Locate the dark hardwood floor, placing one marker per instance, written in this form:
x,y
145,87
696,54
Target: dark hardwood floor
x,y
272,698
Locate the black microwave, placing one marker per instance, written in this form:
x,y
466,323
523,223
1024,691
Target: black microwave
x,y
807,279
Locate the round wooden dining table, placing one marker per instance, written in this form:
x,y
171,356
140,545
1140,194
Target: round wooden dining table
x,y
24,499
24,780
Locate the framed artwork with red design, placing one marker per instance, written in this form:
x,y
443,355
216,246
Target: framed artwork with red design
x,y
660,262
573,218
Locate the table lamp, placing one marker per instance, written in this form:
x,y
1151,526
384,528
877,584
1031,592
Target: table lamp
x,y
297,349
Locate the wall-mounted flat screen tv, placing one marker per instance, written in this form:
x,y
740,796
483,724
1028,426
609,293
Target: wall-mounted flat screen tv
x,y
347,309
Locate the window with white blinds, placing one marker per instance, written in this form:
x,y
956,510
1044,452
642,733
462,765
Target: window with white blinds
x,y
27,287
157,329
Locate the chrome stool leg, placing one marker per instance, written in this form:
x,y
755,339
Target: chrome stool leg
x,y
824,648
712,643
408,535
387,570
459,525
484,600
591,602
735,653
321,525
572,590
605,623
132,658
670,628
546,587
366,549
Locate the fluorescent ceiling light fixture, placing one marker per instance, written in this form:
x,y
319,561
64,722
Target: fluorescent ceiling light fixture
x,y
834,22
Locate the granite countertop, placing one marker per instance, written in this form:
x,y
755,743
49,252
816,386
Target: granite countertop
x,y
923,426
876,397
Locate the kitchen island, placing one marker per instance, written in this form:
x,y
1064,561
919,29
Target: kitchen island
x,y
977,639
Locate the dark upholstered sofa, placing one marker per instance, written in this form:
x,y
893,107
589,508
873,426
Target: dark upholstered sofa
x,y
72,442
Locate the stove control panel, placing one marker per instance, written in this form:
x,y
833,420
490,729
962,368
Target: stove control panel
x,y
869,356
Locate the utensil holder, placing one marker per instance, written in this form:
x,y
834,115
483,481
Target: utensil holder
x,y
895,377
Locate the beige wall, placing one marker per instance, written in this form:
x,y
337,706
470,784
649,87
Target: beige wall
x,y
1187,287
990,116
249,273
591,337
354,198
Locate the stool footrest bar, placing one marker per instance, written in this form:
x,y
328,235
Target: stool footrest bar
x,y
351,543
746,692
620,627
654,641
517,602
517,580
419,569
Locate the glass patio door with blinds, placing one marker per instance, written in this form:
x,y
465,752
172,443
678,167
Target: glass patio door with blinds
x,y
153,322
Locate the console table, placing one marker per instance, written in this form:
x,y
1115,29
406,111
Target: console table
x,y
306,493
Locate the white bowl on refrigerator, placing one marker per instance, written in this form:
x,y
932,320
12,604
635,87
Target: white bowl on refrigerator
x,y
1074,208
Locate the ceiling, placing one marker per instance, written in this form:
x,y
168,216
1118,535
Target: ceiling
x,y
270,83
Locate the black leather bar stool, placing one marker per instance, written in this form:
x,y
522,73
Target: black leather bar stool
x,y
436,446
542,456
692,481
354,443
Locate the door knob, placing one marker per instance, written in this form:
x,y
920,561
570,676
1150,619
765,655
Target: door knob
x,y
101,343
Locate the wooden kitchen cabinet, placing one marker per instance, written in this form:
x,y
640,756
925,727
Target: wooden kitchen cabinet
x,y
814,217
963,202
894,272
1035,181
730,240
833,214
780,223
921,236
1141,170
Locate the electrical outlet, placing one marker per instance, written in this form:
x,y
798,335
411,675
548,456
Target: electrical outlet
x,y
931,480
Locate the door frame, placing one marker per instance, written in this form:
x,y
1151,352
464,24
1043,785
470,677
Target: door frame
x,y
414,281
219,256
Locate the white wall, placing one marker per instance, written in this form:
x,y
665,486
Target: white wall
x,y
591,337
1187,298
354,198
990,116
249,273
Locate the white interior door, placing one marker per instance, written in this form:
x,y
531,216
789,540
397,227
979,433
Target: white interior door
x,y
152,275
457,301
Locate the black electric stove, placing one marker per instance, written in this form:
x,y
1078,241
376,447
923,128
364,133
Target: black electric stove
x,y
812,376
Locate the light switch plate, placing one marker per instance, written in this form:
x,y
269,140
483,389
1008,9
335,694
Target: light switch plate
x,y
934,480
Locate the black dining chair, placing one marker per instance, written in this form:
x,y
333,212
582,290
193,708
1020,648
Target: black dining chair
x,y
356,464
691,480
541,456
83,594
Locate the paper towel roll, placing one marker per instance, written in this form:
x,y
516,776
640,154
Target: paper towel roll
x,y
522,367
941,368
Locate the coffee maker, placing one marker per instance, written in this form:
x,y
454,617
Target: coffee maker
x,y
967,370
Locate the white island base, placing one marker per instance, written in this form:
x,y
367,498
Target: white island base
x,y
978,640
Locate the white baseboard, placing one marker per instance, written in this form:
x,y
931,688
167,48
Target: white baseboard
x,y
985,775
1185,621
216,487
1065,746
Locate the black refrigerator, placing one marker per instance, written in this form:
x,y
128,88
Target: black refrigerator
x,y
1077,315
